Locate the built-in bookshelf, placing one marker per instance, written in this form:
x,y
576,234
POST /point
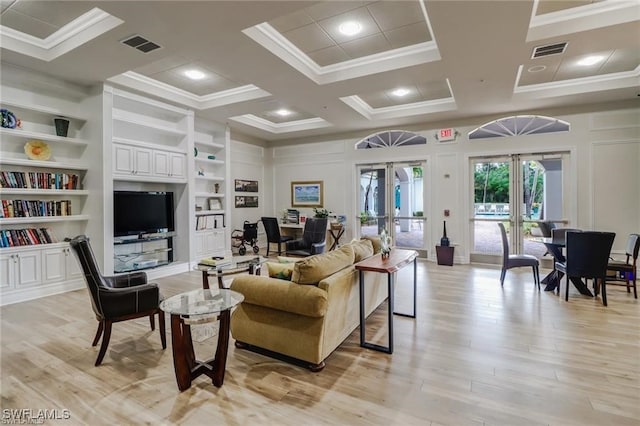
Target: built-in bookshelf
x,y
211,183
43,200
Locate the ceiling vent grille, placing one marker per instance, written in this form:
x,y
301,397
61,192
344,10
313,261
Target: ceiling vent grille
x,y
550,49
141,43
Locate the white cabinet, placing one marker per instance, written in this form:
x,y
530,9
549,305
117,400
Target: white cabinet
x,y
169,164
60,264
132,161
210,243
20,269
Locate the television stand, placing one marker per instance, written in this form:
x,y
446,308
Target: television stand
x,y
136,254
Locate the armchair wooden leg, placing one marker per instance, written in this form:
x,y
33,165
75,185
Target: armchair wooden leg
x,y
502,274
152,321
604,292
105,342
163,334
566,295
98,333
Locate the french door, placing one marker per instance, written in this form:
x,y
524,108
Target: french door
x,y
391,196
519,190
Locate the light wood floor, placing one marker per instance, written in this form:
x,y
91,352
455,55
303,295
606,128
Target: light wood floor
x,y
476,354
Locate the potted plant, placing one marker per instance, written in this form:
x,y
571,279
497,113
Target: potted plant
x,y
321,212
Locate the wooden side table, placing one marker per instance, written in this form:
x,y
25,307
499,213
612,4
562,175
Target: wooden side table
x,y
398,259
336,234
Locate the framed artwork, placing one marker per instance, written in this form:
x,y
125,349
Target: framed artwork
x,y
246,185
306,194
246,201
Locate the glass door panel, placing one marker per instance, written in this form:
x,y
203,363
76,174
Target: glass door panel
x,y
373,199
393,192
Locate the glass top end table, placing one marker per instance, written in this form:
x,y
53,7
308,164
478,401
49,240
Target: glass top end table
x,y
237,265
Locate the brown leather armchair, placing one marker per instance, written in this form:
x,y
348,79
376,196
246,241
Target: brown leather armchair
x,y
117,298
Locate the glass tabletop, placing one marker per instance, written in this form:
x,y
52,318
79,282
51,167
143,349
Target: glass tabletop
x,y
201,302
232,264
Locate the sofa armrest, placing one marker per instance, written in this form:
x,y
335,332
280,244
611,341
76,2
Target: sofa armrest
x,y
282,295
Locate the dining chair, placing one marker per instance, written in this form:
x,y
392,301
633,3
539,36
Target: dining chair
x,y
117,298
587,257
516,260
628,269
272,230
313,239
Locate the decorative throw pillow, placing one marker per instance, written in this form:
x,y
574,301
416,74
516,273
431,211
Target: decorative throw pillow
x,y
281,271
285,259
315,268
361,249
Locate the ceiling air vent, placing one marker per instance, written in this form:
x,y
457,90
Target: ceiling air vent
x,y
141,43
550,49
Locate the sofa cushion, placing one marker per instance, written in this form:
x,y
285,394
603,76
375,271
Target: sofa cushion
x,y
315,268
281,271
375,240
361,249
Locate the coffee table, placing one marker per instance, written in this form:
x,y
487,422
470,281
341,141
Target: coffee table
x,y
239,264
197,307
397,259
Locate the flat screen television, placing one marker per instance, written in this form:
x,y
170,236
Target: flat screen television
x,y
136,212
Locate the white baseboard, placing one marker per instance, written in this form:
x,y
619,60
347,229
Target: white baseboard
x,y
8,297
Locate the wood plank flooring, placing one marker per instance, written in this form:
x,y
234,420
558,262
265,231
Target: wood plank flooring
x,y
477,354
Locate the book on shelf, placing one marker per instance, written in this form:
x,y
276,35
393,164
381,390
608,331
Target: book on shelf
x,y
39,180
215,261
35,208
26,237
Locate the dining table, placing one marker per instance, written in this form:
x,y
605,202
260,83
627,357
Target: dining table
x,y
553,278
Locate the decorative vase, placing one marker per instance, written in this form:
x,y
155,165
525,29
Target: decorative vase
x,y
385,243
444,241
62,126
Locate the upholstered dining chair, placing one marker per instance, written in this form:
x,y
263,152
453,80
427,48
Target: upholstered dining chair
x,y
314,238
273,233
629,267
587,257
117,298
516,260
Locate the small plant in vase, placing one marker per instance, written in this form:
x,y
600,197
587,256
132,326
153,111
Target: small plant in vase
x,y
385,243
320,212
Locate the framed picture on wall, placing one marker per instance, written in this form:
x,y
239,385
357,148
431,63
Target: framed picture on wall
x,y
246,201
243,185
306,194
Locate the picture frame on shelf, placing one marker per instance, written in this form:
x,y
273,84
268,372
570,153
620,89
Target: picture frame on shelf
x,y
243,185
215,204
242,201
307,194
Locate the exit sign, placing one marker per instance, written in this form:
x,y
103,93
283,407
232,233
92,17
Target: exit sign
x,y
445,135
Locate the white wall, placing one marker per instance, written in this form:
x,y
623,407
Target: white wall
x,y
605,150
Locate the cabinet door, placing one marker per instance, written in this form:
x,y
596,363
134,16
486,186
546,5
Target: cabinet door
x,y
200,245
161,163
54,267
72,265
122,159
178,165
7,271
215,241
29,268
143,162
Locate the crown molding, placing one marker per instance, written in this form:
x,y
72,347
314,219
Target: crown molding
x,y
272,40
151,86
84,28
582,18
618,80
279,128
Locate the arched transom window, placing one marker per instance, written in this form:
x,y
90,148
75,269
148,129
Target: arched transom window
x,y
390,138
519,125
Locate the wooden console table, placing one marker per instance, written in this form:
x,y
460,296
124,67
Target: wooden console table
x,y
398,259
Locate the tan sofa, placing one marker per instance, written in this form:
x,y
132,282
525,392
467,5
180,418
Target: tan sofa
x,y
308,317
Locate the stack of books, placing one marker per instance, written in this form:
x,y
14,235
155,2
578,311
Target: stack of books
x,y
215,261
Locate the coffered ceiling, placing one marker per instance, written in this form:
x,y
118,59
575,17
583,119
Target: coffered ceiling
x,y
290,69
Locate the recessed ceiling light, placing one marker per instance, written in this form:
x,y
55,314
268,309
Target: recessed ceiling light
x,y
195,74
537,68
401,92
283,112
350,28
590,60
